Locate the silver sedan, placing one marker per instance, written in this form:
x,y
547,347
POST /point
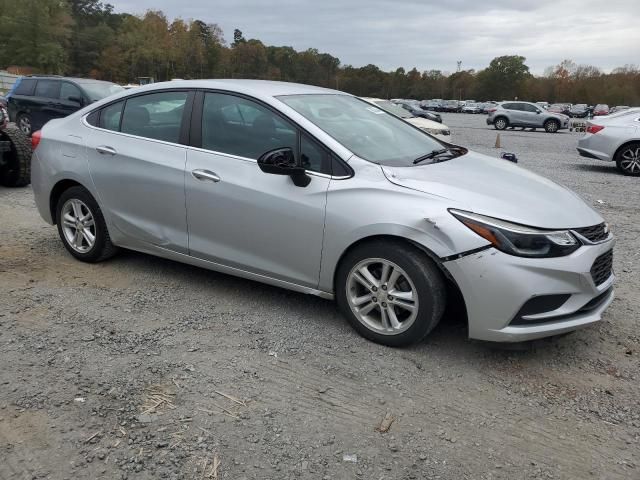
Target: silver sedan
x,y
317,191
614,138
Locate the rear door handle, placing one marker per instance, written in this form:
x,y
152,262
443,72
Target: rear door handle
x,y
105,150
205,175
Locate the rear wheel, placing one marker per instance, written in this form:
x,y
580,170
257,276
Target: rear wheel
x,y
24,123
390,293
628,159
500,123
551,126
81,226
15,167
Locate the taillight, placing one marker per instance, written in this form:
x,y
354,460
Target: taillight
x,y
591,128
491,110
35,139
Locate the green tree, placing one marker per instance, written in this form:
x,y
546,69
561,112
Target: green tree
x,y
504,78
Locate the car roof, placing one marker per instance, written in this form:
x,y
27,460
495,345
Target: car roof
x,y
258,88
72,79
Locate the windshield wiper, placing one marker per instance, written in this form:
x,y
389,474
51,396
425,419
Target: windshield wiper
x,y
432,154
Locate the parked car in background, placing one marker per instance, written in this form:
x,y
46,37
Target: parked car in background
x,y
619,108
526,115
33,101
473,108
563,108
452,106
317,191
432,105
615,138
601,109
414,106
579,110
400,110
488,106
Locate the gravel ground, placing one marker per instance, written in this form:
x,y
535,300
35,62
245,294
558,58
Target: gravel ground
x,y
141,368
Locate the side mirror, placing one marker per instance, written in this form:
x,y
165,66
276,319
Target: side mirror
x,y
538,112
509,156
281,161
77,100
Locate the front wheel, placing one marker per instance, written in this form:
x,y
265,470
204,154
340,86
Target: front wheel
x,y
81,226
390,293
551,126
628,160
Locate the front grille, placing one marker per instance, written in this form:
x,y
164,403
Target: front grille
x,y
602,268
596,233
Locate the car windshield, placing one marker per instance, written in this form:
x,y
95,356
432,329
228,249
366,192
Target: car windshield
x,y
365,129
99,90
393,108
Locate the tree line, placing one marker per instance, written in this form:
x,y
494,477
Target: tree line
x,y
86,38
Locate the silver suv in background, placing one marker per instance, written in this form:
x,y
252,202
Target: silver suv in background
x,y
526,115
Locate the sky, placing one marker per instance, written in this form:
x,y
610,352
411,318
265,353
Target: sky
x,y
428,34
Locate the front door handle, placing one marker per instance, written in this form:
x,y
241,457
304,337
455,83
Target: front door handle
x,y
105,150
205,175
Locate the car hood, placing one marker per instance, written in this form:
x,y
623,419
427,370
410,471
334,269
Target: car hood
x,y
498,188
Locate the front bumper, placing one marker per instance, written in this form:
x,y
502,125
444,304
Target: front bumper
x,y
496,286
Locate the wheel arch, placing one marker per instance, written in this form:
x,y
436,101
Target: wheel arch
x,y
623,146
455,300
503,116
56,192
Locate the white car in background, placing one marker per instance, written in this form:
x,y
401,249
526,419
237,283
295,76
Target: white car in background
x,y
436,129
614,138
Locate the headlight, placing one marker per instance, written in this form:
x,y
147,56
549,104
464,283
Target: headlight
x,y
519,240
435,131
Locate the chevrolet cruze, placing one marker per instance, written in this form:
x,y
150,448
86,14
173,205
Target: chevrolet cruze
x,y
317,191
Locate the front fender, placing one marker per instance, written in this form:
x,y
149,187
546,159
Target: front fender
x,y
368,205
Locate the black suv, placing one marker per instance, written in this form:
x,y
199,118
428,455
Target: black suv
x,y
33,101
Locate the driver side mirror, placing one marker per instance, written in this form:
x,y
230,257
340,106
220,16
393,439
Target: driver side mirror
x,y
281,161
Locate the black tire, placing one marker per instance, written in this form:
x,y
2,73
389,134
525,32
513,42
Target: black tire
x,y
624,165
24,123
16,169
102,248
500,123
551,126
425,275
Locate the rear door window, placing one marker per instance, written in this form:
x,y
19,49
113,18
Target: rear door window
x,y
47,88
25,87
511,106
156,115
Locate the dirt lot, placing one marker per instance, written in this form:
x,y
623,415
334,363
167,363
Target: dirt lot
x,y
141,368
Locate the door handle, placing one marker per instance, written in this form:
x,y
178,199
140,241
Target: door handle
x,y
205,175
105,150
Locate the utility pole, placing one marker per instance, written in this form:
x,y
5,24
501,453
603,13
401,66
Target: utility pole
x,y
459,62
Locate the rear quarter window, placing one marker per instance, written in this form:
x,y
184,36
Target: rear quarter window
x,y
25,87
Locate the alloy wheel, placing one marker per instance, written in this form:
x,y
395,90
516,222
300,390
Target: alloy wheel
x,y
501,124
24,124
552,127
78,225
630,160
382,296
